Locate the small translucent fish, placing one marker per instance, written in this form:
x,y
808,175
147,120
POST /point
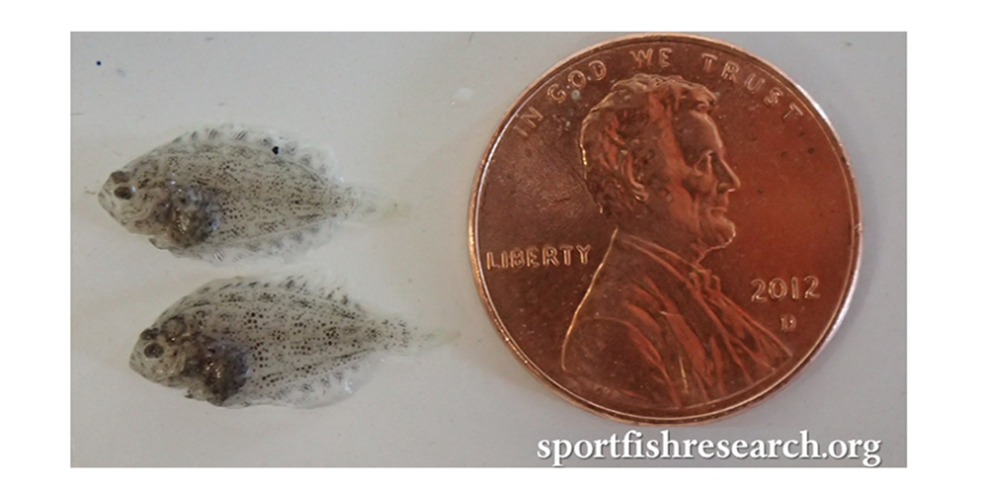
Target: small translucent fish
x,y
229,193
282,341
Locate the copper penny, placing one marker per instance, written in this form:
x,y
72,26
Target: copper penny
x,y
665,229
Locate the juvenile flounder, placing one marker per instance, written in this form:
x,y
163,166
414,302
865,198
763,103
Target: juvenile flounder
x,y
227,193
282,341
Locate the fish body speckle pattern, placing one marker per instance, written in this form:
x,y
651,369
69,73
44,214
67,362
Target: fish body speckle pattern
x,y
228,193
282,341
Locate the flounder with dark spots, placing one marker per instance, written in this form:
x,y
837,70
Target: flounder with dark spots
x,y
228,193
282,341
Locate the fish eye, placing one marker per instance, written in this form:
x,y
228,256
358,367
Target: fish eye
x,y
153,350
119,177
123,192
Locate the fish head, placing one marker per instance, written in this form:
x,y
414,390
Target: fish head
x,y
160,357
134,199
176,354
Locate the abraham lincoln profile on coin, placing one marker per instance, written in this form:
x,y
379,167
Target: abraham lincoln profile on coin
x,y
654,326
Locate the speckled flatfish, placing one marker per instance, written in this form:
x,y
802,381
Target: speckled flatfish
x,y
270,340
230,192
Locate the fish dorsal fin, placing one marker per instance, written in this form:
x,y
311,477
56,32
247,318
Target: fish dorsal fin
x,y
313,284
242,139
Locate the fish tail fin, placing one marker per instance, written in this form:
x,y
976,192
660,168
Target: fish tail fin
x,y
411,339
371,206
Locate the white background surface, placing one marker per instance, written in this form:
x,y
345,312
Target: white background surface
x,y
394,109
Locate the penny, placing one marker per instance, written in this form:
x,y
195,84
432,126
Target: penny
x,y
665,229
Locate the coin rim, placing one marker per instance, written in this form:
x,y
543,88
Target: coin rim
x,y
834,322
